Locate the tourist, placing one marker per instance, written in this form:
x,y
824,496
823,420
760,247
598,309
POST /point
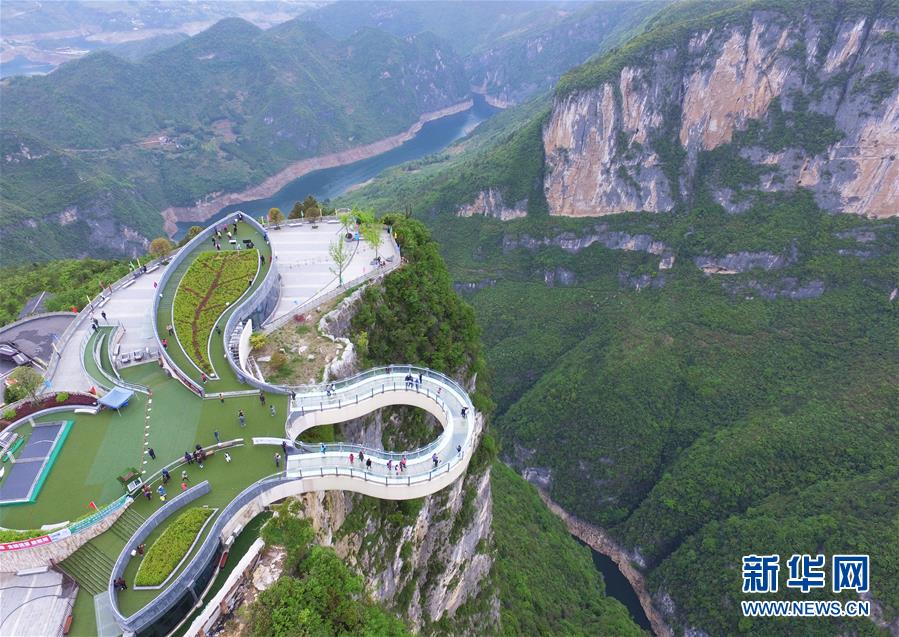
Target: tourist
x,y
420,378
361,456
141,549
321,446
261,398
464,411
155,284
165,344
409,382
403,463
165,476
284,447
161,491
203,377
368,464
170,329
435,459
184,476
213,240
459,449
221,398
272,410
187,458
242,418
227,457
151,453
389,465
352,458
216,435
146,492
184,486
103,314
277,460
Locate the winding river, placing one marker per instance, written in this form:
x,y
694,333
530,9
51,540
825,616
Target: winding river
x,y
328,183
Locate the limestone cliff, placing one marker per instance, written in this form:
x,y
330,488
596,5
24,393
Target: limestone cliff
x,y
798,97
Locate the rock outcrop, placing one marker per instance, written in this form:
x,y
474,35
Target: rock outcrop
x,y
490,204
425,560
811,100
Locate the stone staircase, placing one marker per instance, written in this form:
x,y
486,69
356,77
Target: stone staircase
x,y
91,567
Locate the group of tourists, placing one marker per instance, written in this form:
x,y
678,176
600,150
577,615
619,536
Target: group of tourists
x,y
413,382
396,467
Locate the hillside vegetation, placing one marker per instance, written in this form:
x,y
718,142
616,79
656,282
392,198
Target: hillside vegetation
x,y
704,383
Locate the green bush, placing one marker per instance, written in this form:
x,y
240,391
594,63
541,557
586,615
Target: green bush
x,y
62,396
9,414
170,547
11,535
213,282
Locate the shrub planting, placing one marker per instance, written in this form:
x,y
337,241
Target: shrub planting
x,y
213,282
169,548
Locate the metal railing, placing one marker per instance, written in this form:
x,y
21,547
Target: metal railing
x,y
112,507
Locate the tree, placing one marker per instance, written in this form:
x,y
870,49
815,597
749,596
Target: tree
x,y
348,221
373,235
310,202
296,212
275,216
341,258
27,382
313,213
258,340
191,233
160,246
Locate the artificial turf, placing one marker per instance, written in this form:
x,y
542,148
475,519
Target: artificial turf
x,y
101,447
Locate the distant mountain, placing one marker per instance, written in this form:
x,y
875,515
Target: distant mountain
x,y
93,151
512,50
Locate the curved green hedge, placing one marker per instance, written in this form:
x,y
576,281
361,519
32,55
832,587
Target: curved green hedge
x,y
213,282
169,548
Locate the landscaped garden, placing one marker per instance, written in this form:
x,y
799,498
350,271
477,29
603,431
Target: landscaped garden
x,y
170,548
222,378
213,282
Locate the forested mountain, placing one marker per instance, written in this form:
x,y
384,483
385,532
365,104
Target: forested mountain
x,y
94,151
512,50
693,345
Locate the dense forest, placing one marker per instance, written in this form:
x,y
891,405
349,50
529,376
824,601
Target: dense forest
x,y
703,384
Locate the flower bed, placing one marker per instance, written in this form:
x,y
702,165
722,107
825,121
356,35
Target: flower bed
x,y
213,282
170,548
62,399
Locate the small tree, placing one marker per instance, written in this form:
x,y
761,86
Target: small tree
x,y
27,381
341,258
373,235
276,216
310,202
313,213
191,233
160,246
348,221
258,340
296,212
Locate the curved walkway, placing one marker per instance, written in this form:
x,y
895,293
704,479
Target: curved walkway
x,y
329,468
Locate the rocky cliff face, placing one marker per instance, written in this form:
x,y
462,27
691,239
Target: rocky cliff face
x,y
425,559
426,562
803,101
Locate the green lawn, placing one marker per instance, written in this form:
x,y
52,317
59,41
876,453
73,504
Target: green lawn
x,y
226,381
101,447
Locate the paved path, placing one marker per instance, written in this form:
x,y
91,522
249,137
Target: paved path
x,y
129,306
306,266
